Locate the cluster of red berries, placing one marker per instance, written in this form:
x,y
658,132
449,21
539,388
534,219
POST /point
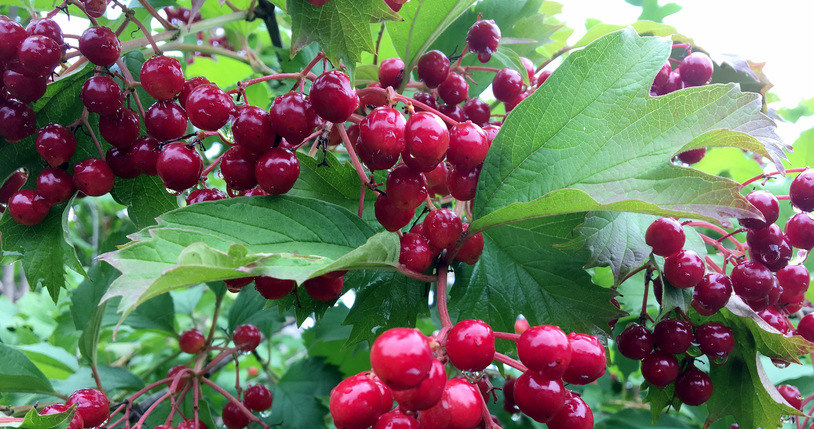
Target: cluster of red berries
x,y
694,70
410,368
92,408
440,230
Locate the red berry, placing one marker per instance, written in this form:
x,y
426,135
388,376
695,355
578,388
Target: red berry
x,y
247,337
12,184
236,284
483,37
238,168
293,117
208,107
711,294
18,120
684,269
324,288
800,231
453,111
191,341
433,68
76,422
635,342
477,111
442,227
189,86
95,8
692,156
768,205
144,155
471,250
93,177
460,407
425,98
538,397
415,252
546,350
437,180
252,129
794,280
665,236
696,69
389,215
39,54
162,78
426,394
715,340
660,368
391,72
673,336
454,89
426,137
355,403
510,105
191,424
693,387
530,68
273,288
120,129
406,188
102,95
92,405
179,166
662,77
587,359
233,417
463,183
801,191
806,327
12,35
257,398
277,170
120,163
21,86
468,146
382,132
507,84
792,395
470,345
333,97
205,194
165,120
27,208
101,46
401,357
751,280
776,320
54,185
55,144
395,420
575,414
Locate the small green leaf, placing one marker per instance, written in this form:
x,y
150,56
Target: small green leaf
x,y
145,198
33,420
89,341
19,374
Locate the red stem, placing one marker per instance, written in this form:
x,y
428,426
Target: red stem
x,y
507,336
406,100
767,175
714,266
352,154
500,357
211,167
719,230
481,68
151,409
441,297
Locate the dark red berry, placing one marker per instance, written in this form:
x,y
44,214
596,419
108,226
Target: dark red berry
x,y
277,170
163,78
257,398
776,320
660,368
92,405
437,180
93,177
468,146
510,105
205,194
54,185
538,397
102,95
673,336
546,350
696,69
401,357
751,280
483,37
12,35
191,341
433,68
426,98
324,288
355,402
443,227
692,156
189,86
665,236
768,205
426,394
415,252
236,284
18,120
806,327
273,288
773,256
120,129
800,231
711,293
477,111
27,208
662,77
507,84
293,117
21,86
792,395
333,97
454,89
635,342
39,54
406,188
101,46
95,8
684,269
391,72
575,414
179,166
470,345
208,107
530,68
801,191
121,164
794,280
471,250
247,337
693,387
382,132
389,215
508,396
426,137
12,184
453,111
233,417
587,359
715,340
238,168
55,144
144,155
252,129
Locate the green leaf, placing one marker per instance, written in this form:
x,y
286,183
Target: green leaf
x,y
156,313
45,355
296,396
145,198
328,339
384,300
424,21
89,341
113,379
19,374
521,272
637,419
597,141
341,27
284,237
652,11
33,420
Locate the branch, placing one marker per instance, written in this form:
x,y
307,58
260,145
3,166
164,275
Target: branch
x,y
441,297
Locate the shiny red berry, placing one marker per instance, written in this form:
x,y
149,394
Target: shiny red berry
x,y
101,46
483,37
121,129
470,345
273,288
460,407
715,340
433,68
93,177
711,293
382,132
437,180
21,86
205,194
102,95
587,359
162,77
39,54
120,163
76,422
165,120
324,288
801,191
800,231
538,397
55,186
233,417
776,320
406,188
247,337
454,89
293,117
427,393
575,414
768,205
507,84
635,342
391,72
208,107
468,146
426,137
179,166
665,236
546,350
684,269
252,129
355,403
794,279
55,144
12,35
238,168
415,252
673,336
27,208
257,398
471,250
751,280
189,86
463,183
191,341
401,357
144,155
395,420
660,368
806,327
277,170
442,227
792,395
333,97
12,184
18,120
696,69
391,216
92,405
693,387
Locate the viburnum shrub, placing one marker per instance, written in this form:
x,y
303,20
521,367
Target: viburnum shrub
x,y
392,214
